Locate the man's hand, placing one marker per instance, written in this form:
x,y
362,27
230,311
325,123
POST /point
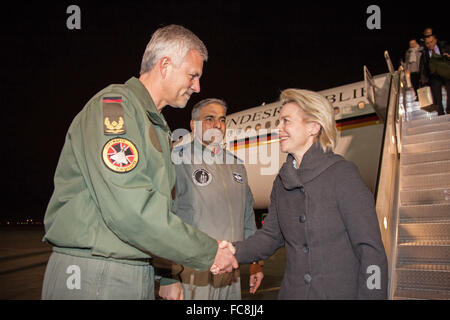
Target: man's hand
x,y
225,260
256,276
255,281
172,291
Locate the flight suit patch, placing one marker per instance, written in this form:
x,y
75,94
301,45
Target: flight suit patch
x,y
120,155
113,119
238,177
201,177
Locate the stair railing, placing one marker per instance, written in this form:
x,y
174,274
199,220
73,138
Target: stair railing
x,y
387,191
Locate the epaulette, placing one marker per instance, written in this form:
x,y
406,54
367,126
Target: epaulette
x,y
113,119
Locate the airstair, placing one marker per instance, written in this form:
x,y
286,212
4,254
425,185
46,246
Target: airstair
x,y
423,241
413,205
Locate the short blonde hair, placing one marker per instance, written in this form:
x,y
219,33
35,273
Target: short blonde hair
x,y
317,109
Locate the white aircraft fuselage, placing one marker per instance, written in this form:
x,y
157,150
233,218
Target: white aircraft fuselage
x,y
252,137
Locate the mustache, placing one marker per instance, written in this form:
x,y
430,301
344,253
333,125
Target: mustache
x,y
212,135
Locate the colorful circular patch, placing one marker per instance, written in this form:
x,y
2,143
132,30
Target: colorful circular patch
x,y
120,155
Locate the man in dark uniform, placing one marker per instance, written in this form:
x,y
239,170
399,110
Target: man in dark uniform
x,y
111,210
427,77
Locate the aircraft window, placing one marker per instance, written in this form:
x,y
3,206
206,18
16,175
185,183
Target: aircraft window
x,y
347,110
277,122
258,126
267,126
336,110
361,105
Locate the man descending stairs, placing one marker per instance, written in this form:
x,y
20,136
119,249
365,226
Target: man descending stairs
x,y
423,241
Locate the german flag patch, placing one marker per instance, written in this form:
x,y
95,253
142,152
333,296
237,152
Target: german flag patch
x,y
113,119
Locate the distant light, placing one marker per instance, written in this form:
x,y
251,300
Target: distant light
x,y
385,223
361,105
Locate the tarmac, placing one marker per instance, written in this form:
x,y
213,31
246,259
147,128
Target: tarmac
x,y
23,258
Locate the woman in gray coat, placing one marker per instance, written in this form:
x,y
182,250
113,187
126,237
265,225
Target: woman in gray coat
x,y
321,210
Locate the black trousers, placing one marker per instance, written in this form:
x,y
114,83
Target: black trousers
x,y
436,83
415,80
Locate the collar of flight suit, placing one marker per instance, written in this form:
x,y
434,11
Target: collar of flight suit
x,y
146,101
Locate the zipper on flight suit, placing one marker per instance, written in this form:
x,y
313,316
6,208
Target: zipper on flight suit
x,y
228,201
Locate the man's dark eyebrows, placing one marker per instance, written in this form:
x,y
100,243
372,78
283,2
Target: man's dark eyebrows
x,y
213,116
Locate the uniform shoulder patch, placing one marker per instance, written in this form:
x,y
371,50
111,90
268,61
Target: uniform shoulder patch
x,y
113,119
120,155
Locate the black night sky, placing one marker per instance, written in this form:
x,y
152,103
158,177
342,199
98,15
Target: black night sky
x,y
256,49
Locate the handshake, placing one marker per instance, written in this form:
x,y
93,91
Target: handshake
x,y
225,260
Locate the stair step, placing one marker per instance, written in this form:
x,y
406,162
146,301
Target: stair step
x,y
431,196
441,126
427,211
408,232
426,219
426,137
424,252
432,167
426,146
425,266
412,103
412,106
402,293
414,114
411,158
424,122
437,180
423,276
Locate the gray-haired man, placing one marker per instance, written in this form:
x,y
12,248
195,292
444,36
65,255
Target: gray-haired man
x,y
213,195
111,210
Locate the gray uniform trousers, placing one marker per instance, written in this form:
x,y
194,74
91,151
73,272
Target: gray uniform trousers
x,y
209,292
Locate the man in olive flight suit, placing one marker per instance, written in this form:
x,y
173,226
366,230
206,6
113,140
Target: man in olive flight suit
x,y
111,210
